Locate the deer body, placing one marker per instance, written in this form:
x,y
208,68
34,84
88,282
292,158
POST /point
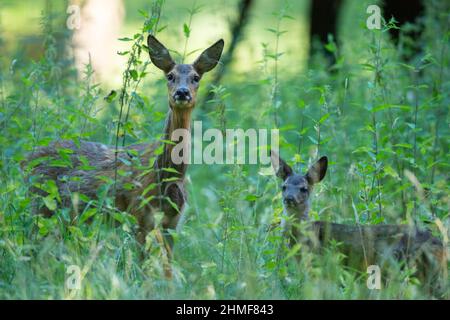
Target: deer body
x,y
362,245
377,244
183,81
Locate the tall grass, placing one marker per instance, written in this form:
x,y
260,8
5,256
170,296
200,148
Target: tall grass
x,y
373,115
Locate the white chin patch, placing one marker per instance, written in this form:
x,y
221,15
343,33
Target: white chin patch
x,y
181,102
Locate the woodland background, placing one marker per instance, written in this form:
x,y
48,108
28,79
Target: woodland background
x,y
381,118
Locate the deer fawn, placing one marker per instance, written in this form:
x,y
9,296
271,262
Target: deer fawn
x,y
165,181
362,245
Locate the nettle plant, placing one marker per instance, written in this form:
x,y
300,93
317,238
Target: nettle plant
x,y
379,119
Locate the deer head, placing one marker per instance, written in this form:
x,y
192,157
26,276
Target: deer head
x,y
183,79
297,188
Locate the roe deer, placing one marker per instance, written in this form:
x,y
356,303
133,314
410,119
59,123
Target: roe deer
x,y
362,245
163,184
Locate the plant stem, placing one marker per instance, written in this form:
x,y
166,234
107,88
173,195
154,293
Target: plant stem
x,y
191,15
377,79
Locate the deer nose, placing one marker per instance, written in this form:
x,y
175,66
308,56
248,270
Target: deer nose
x,y
182,94
289,199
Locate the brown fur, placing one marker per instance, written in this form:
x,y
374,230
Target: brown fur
x,y
365,245
362,245
102,159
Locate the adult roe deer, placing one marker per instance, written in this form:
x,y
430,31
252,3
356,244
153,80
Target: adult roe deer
x,y
163,184
362,245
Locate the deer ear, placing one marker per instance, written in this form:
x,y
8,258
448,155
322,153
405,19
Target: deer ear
x,y
159,54
209,58
281,168
317,171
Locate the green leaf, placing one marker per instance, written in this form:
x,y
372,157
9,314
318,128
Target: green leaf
x,y
106,179
186,30
143,13
43,229
293,251
288,17
324,117
403,145
129,129
145,201
158,151
50,203
118,216
252,197
84,198
391,172
171,170
60,163
331,47
128,186
111,96
301,103
76,231
362,149
173,204
137,98
145,172
391,106
125,39
133,74
368,66
87,214
35,162
151,186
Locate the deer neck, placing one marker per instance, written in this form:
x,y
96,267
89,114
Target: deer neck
x,y
176,119
301,213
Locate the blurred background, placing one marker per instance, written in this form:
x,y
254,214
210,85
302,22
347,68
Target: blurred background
x,y
375,101
98,24
102,22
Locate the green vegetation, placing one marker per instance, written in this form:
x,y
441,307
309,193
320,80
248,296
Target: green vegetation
x,y
383,124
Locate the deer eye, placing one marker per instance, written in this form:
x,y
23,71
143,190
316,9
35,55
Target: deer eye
x,y
283,188
304,189
195,79
170,77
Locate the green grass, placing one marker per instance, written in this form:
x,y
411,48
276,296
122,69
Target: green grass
x,y
224,249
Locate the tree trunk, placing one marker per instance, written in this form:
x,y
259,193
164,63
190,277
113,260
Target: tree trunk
x,y
236,32
95,40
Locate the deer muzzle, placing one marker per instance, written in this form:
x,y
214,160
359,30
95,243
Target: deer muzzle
x,y
182,96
